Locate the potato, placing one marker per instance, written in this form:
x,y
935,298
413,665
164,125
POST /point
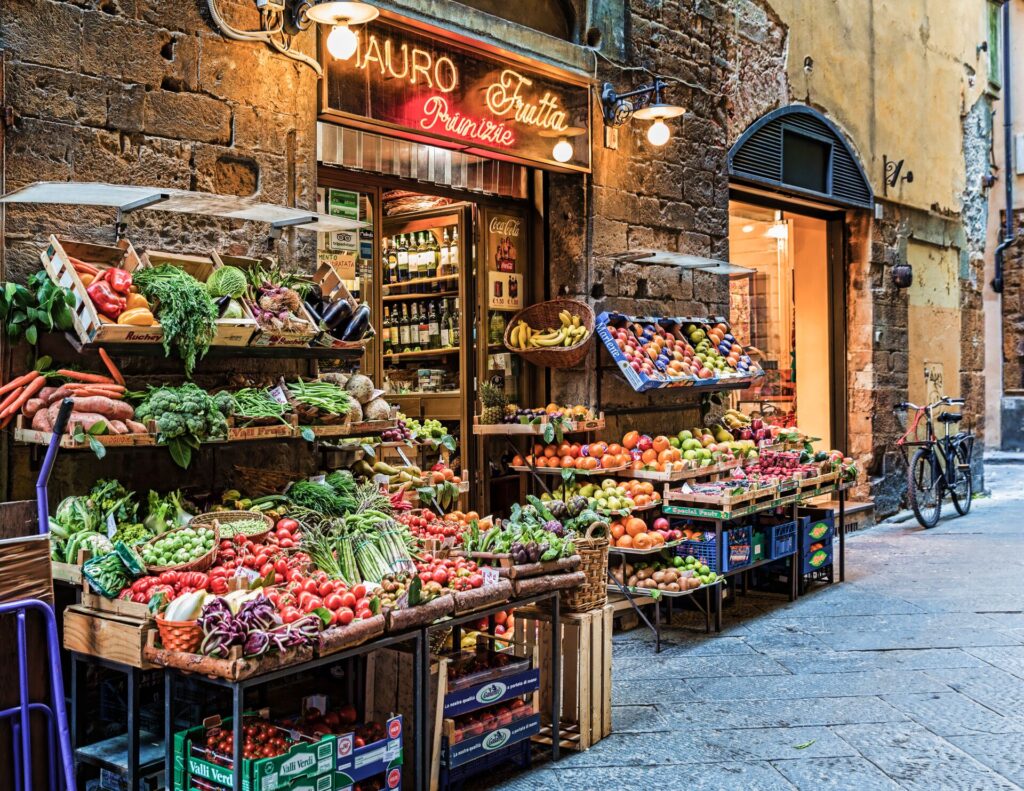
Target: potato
x,y
632,581
671,576
659,576
692,583
672,586
648,583
643,574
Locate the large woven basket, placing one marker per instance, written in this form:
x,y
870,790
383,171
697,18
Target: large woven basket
x,y
201,563
545,314
223,520
593,549
258,481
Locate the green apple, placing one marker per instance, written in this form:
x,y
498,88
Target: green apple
x,y
675,442
685,434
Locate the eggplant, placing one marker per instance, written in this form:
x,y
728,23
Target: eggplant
x,y
222,304
315,294
336,313
313,311
357,326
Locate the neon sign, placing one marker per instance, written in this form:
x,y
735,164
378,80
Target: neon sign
x,y
416,84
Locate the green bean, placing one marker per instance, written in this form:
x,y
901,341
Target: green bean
x,y
322,395
253,403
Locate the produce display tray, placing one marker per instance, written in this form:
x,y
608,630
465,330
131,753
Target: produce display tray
x,y
648,593
640,552
558,470
507,568
536,429
22,433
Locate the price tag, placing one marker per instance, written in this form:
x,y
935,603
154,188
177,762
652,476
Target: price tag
x,y
277,393
249,574
490,576
318,478
381,479
111,525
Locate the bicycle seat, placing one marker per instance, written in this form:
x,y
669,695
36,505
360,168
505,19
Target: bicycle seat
x,y
950,417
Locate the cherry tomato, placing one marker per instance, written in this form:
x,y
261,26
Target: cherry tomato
x,y
289,614
364,615
289,525
310,586
287,543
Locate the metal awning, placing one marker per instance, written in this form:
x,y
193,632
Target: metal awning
x,y
126,198
683,261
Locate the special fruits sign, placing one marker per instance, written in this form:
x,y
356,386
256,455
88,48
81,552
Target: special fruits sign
x,y
436,90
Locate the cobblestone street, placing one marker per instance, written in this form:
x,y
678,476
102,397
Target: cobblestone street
x,y
908,676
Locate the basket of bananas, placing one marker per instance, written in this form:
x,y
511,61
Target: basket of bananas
x,y
552,334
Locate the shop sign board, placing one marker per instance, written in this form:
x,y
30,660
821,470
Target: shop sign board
x,y
505,252
435,87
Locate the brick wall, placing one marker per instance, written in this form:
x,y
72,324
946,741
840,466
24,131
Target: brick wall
x,y
1013,313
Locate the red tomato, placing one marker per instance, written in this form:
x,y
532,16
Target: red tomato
x,y
333,601
349,599
359,591
287,524
325,588
287,543
266,568
310,586
281,565
312,603
364,615
289,614
440,576
345,616
363,603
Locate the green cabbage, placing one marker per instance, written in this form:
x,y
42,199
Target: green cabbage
x,y
74,515
228,281
233,311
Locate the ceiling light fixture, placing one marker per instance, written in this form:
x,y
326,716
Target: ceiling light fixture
x,y
644,103
563,149
342,42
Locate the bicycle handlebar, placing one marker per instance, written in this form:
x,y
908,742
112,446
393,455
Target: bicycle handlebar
x,y
944,401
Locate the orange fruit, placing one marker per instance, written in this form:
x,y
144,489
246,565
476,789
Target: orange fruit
x,y
530,459
661,443
638,464
568,461
649,456
645,487
564,449
642,541
635,525
665,456
517,461
574,450
598,449
541,461
615,449
657,539
550,451
538,449
642,499
617,530
631,439
608,461
624,541
471,515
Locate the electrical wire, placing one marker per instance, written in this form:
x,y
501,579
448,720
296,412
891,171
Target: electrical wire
x,y
234,33
272,25
650,73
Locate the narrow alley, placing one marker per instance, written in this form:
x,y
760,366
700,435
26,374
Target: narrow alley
x,y
910,675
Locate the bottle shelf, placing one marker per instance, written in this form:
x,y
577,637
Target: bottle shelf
x,y
423,353
418,281
412,297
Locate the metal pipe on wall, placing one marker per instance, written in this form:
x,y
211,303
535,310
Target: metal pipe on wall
x,y
1008,229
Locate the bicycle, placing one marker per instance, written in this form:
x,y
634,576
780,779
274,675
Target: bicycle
x,y
939,463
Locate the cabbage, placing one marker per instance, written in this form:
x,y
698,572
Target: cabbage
x,y
228,281
74,514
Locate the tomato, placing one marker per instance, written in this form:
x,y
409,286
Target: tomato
x,y
345,616
287,524
440,576
312,603
304,598
359,591
364,615
477,581
289,614
310,586
325,588
281,566
362,603
349,600
261,559
278,579
239,539
266,568
333,601
287,543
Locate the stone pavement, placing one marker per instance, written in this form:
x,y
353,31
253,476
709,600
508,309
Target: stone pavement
x,y
910,675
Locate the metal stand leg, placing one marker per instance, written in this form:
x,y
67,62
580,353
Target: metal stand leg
x,y
423,703
654,627
26,726
133,727
237,698
556,676
842,534
419,713
720,550
169,727
707,610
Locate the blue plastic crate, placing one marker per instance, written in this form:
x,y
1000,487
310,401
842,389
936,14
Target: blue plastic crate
x,y
818,559
782,540
739,550
820,525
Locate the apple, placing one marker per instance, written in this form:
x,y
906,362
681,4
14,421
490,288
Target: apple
x,y
661,523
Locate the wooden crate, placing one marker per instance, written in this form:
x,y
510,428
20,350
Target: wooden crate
x,y
25,568
23,432
87,325
586,645
108,636
230,332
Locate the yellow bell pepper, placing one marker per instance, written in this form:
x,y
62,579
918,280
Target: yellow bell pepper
x,y
137,317
136,301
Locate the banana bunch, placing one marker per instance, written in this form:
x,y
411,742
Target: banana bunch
x,y
735,419
572,331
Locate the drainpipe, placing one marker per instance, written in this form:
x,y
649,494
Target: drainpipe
x,y
1008,233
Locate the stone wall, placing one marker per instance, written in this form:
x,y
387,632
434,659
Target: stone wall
x,y
146,92
1013,314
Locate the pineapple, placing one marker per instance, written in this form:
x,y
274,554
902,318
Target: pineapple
x,y
494,402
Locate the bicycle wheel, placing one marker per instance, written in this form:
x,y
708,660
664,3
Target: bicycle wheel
x,y
962,491
924,488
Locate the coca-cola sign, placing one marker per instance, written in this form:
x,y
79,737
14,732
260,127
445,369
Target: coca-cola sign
x,y
504,226
432,86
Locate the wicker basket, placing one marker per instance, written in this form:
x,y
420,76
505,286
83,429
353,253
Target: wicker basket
x,y
259,482
223,520
184,636
545,314
593,549
201,563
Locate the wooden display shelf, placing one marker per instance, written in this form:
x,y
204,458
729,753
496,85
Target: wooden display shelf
x,y
558,470
679,475
410,297
68,442
536,429
218,352
725,502
417,282
423,353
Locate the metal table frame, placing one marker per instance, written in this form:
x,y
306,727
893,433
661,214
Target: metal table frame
x,y
239,688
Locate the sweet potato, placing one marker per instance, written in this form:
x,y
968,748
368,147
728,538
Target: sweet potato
x,y
97,405
86,420
55,394
118,427
32,406
42,421
135,427
45,393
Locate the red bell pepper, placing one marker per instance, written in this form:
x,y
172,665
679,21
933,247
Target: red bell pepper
x,y
119,280
105,299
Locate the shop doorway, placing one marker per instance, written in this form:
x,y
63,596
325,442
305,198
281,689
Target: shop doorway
x,y
786,306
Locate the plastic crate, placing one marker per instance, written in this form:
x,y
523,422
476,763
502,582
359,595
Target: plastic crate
x,y
820,525
782,540
818,559
738,553
762,545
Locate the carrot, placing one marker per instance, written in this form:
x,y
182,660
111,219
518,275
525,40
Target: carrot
x,y
19,382
81,266
110,366
75,387
11,398
7,420
79,376
31,388
86,392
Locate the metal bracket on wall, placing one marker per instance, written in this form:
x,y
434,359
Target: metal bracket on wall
x,y
893,171
120,226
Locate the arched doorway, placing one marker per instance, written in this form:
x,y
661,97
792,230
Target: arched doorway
x,y
558,18
794,178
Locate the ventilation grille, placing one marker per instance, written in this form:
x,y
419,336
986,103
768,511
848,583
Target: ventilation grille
x,y
757,155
